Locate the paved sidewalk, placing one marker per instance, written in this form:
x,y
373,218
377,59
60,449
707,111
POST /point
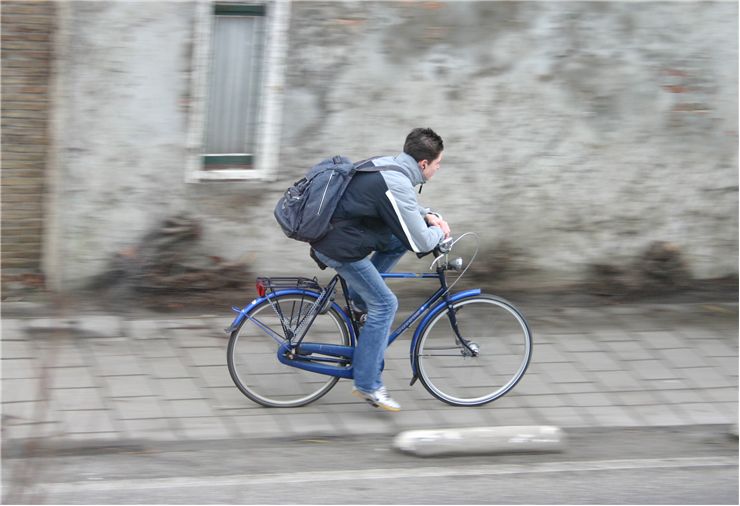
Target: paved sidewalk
x,y
104,378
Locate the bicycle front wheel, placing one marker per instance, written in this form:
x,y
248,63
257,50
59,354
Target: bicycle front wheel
x,y
498,352
252,353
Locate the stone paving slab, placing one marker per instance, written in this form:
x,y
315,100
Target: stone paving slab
x,y
107,377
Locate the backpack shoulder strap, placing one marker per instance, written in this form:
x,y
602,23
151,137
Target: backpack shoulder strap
x,y
367,166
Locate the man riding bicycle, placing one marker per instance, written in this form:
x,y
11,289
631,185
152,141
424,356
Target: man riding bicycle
x,y
378,213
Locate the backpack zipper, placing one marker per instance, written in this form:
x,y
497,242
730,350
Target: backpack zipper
x,y
324,195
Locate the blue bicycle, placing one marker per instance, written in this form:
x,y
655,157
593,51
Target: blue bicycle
x,y
292,344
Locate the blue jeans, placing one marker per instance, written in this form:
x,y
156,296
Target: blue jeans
x,y
368,292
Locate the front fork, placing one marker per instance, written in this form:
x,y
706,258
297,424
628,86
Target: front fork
x,y
470,348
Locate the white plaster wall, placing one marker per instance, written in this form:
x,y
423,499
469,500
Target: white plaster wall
x,y
575,133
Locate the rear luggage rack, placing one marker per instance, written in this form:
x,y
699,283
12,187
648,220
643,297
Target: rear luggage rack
x,y
272,284
296,328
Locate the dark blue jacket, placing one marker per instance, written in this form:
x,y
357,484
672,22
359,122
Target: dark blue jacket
x,y
376,205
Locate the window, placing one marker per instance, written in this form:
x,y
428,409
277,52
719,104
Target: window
x,y
236,97
232,101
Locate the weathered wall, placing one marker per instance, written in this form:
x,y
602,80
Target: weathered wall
x,y
27,34
576,133
120,124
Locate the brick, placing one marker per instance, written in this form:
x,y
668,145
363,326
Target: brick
x,y
227,397
12,160
726,365
630,350
169,367
584,387
716,348
563,372
12,9
683,357
705,377
661,415
727,394
108,365
24,89
613,416
682,396
137,408
539,401
533,383
78,398
180,388
25,412
637,398
128,386
22,104
150,429
86,421
71,377
41,19
16,349
563,416
651,369
19,390
34,184
39,35
208,356
20,368
190,408
590,399
579,342
706,413
661,340
29,262
548,353
597,361
618,381
216,376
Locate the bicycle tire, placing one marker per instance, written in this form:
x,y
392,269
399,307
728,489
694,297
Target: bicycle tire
x,y
252,353
505,350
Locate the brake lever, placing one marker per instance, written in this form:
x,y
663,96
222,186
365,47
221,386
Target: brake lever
x,y
444,248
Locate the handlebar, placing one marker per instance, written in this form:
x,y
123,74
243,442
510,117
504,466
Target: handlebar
x,y
443,250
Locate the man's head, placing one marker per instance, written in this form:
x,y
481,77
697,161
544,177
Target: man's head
x,y
426,147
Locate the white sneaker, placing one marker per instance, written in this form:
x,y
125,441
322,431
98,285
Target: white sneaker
x,y
378,399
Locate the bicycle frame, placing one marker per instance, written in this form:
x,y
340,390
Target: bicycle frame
x,y
335,357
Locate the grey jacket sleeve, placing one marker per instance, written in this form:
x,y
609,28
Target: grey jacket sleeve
x,y
402,213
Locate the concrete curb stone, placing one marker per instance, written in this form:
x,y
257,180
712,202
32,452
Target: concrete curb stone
x,y
481,441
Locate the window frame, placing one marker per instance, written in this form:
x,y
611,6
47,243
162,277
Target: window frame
x,y
269,115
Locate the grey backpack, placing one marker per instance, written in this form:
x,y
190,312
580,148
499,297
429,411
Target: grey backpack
x,y
304,212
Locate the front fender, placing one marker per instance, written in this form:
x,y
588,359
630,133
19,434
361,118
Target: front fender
x,y
440,306
242,313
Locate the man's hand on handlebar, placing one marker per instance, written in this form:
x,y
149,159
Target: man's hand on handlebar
x,y
434,220
443,247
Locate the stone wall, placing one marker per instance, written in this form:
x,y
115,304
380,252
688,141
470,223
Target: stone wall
x,y
27,35
577,134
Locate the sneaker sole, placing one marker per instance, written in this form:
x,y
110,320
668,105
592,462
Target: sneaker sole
x,y
374,404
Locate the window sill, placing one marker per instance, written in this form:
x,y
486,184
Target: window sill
x,y
228,175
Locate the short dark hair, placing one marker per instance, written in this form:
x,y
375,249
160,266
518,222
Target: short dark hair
x,y
423,144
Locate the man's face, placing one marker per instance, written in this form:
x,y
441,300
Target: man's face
x,y
428,169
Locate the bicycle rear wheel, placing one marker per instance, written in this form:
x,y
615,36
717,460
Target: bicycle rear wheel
x,y
252,352
499,334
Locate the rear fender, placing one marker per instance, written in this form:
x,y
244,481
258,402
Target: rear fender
x,y
242,313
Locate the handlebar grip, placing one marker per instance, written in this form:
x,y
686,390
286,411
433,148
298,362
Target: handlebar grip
x,y
445,246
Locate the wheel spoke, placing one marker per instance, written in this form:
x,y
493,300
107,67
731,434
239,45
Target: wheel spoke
x,y
252,359
461,379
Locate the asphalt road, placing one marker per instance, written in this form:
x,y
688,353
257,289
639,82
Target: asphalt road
x,y
697,465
